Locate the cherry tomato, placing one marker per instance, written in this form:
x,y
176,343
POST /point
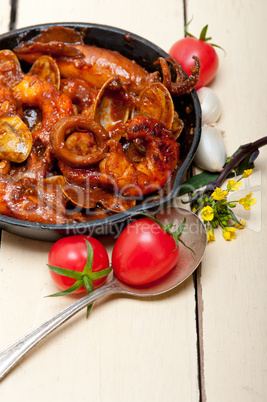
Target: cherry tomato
x,y
144,252
71,253
185,48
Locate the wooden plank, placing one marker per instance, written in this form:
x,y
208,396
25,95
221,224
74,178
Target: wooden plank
x,y
5,16
158,23
128,349
232,285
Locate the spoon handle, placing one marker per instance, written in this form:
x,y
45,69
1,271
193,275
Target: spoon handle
x,y
10,356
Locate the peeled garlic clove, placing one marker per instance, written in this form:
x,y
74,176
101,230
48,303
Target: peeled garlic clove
x,y
210,105
211,154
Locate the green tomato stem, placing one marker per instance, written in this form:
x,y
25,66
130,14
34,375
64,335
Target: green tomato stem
x,y
176,235
84,278
77,285
202,35
88,283
66,272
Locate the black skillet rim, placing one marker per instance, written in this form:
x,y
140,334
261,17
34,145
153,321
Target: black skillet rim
x,y
104,225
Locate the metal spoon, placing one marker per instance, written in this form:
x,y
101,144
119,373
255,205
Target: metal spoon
x,y
194,236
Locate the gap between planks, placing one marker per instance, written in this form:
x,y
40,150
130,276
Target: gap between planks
x,y
13,14
199,328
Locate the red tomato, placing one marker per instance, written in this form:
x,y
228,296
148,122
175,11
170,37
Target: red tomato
x,y
143,253
185,48
71,253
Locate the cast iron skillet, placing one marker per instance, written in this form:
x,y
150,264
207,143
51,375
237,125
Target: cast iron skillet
x,y
145,53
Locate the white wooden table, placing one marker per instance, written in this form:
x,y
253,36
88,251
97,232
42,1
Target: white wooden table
x,y
206,341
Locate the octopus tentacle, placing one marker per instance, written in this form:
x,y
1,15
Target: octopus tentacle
x,y
182,84
166,73
79,176
134,180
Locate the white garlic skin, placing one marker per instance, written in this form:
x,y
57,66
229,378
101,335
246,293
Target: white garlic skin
x,y
211,153
210,105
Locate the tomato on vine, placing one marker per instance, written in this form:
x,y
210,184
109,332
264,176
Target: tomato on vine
x,y
78,264
145,251
185,48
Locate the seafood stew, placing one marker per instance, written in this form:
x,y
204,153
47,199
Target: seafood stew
x,y
93,135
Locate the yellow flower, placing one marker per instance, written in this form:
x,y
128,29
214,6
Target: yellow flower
x,y
233,185
247,202
247,172
210,235
241,224
219,194
229,233
207,213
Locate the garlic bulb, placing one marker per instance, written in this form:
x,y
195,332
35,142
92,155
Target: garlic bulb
x,y
210,105
211,154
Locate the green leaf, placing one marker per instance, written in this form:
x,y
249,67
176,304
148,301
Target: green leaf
x,y
180,229
89,308
100,274
203,34
169,226
189,34
88,283
77,285
198,181
66,272
177,233
189,248
90,256
234,218
185,29
219,47
247,163
154,218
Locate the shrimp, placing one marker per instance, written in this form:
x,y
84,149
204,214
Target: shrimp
x,y
136,179
31,91
9,105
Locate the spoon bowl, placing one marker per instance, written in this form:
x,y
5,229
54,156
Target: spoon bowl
x,y
194,236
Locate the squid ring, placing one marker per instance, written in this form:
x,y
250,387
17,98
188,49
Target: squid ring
x,y
66,126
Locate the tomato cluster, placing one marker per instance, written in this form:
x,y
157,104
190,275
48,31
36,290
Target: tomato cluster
x,y
144,252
